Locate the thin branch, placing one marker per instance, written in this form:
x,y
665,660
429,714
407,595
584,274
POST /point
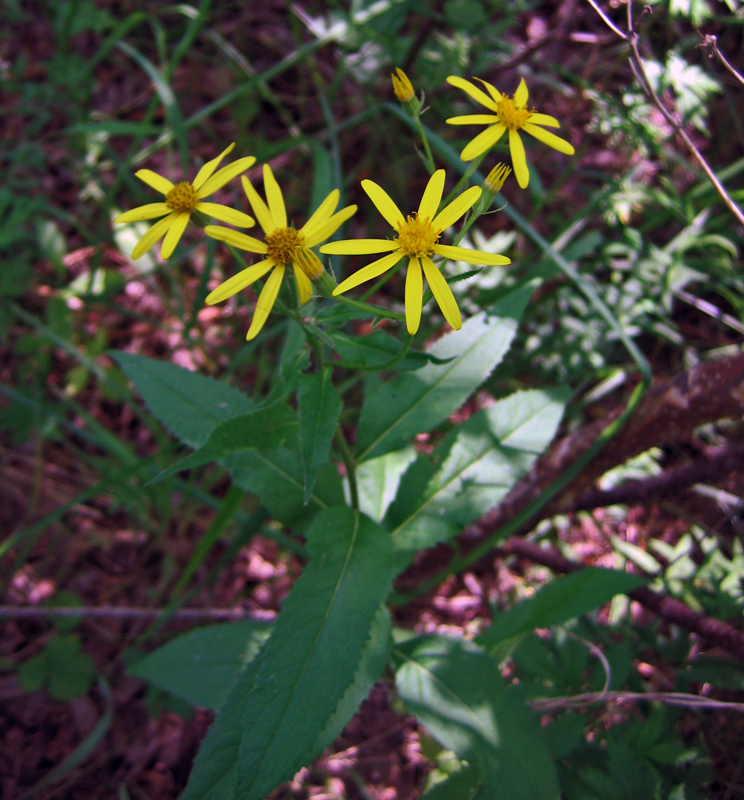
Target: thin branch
x,y
668,698
129,612
710,43
636,63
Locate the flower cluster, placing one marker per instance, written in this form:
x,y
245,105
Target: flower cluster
x,y
415,236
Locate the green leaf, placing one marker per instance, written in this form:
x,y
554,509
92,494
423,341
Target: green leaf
x,y
414,403
376,348
293,361
314,651
319,408
71,671
200,666
456,691
265,429
215,770
474,467
276,477
461,785
188,404
378,480
559,601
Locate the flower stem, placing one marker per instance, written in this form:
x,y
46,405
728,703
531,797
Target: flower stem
x,y
376,310
425,140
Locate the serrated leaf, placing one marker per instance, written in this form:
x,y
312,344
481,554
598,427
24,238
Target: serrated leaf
x,y
378,480
414,403
376,349
315,648
188,404
215,771
474,467
319,408
293,361
559,601
276,477
200,666
457,692
264,430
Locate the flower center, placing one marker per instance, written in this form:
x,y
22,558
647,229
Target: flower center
x,y
282,243
510,115
416,237
182,197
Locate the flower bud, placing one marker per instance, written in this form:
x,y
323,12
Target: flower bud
x,y
312,266
496,178
403,89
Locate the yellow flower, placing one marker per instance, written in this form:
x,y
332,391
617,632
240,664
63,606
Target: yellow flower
x,y
183,198
418,239
496,178
402,87
509,113
284,245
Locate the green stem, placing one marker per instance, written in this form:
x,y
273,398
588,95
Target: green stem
x,y
425,140
350,465
376,310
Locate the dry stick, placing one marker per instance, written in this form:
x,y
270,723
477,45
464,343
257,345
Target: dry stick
x,y
129,612
712,630
710,43
636,63
669,482
669,698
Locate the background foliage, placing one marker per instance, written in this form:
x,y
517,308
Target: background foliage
x,y
155,462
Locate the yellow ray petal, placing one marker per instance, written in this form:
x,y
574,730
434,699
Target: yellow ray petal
x,y
266,301
304,287
474,119
175,231
451,213
274,198
522,95
357,247
548,138
471,256
329,227
519,159
225,175
369,272
204,173
153,234
226,214
260,209
496,95
473,91
485,140
414,295
238,282
543,119
236,239
157,182
321,213
432,196
442,293
150,211
383,203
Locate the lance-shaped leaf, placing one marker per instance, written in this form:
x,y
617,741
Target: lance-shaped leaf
x,y
276,477
200,666
319,407
215,771
313,654
474,467
378,480
416,402
265,429
188,404
457,692
559,601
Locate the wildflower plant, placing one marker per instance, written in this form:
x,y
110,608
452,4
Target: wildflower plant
x,y
343,473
